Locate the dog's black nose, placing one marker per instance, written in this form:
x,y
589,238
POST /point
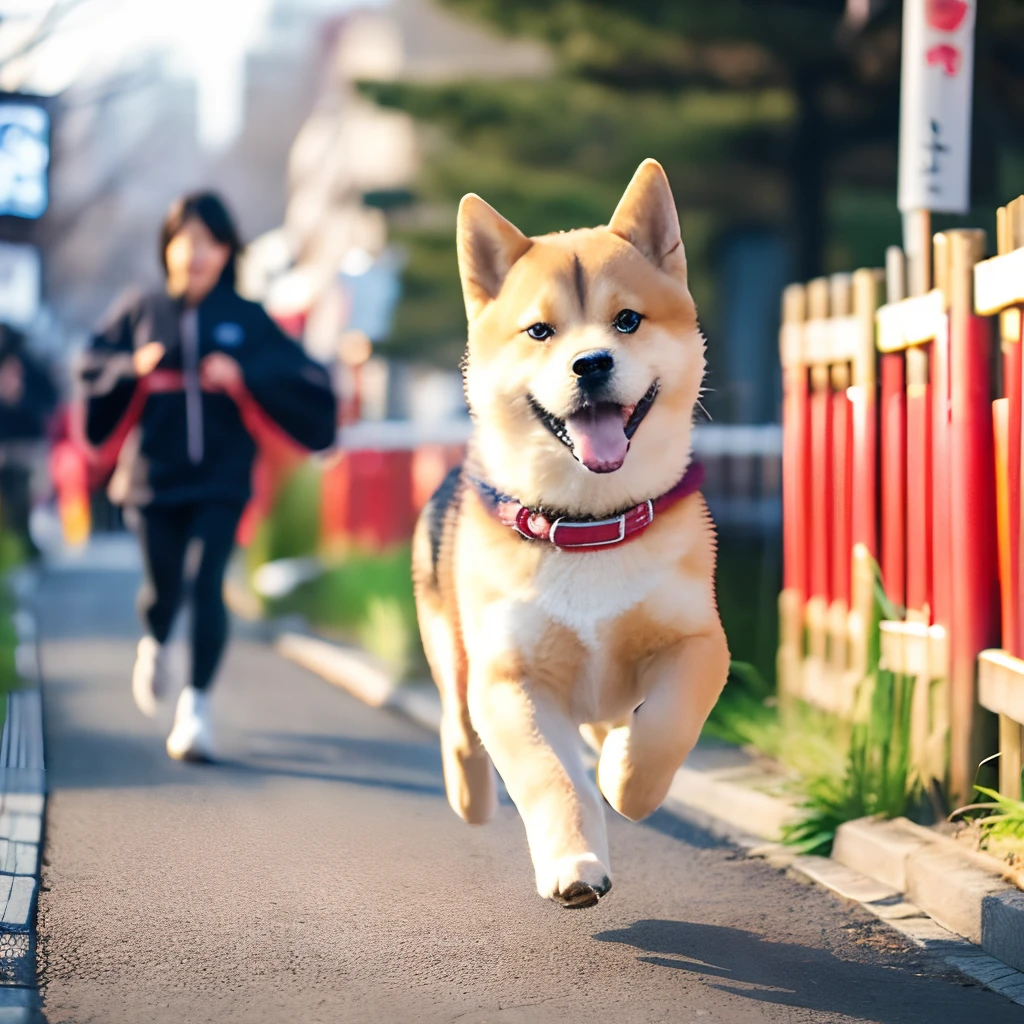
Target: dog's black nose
x,y
593,368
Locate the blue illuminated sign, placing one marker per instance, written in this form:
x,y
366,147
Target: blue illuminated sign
x,y
24,160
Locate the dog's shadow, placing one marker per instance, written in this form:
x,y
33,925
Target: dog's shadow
x,y
745,964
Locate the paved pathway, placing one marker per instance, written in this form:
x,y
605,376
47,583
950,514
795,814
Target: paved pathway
x,y
319,876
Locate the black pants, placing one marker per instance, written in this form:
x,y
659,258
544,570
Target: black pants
x,y
165,533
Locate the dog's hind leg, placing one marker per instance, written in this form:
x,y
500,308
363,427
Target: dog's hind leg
x,y
640,757
468,774
535,747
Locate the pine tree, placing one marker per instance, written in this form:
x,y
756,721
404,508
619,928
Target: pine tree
x,y
780,113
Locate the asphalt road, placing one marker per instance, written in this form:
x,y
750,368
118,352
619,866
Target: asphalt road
x,y
320,876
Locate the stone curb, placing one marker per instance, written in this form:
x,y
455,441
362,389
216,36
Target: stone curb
x,y
1002,927
962,889
874,862
729,808
22,813
347,667
892,906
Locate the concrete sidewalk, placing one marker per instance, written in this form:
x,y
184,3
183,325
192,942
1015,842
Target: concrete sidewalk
x,y
319,875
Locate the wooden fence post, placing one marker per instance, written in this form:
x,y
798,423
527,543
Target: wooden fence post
x,y
975,593
816,342
864,468
1013,368
918,487
940,603
1001,689
999,289
841,539
795,493
893,444
915,328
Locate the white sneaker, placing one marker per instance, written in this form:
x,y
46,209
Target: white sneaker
x,y
151,675
191,738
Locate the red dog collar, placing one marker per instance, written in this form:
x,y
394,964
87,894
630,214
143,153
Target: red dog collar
x,y
592,535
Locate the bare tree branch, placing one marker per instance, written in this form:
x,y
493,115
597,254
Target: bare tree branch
x,y
50,21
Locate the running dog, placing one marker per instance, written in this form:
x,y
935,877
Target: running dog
x,y
565,573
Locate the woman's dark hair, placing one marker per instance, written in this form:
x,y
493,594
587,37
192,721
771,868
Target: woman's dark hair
x,y
209,208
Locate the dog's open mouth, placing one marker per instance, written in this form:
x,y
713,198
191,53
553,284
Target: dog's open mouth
x,y
598,434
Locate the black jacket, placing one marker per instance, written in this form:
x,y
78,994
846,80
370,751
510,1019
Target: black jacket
x,y
292,389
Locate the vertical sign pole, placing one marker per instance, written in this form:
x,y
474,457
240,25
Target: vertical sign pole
x,y
934,164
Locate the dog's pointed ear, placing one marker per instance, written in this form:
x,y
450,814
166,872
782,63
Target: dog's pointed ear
x,y
646,218
488,246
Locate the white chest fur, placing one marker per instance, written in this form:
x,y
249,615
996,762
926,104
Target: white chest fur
x,y
584,591
587,591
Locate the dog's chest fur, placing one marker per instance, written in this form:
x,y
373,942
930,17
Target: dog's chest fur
x,y
588,593
581,624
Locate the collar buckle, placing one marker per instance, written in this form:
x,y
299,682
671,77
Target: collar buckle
x,y
584,530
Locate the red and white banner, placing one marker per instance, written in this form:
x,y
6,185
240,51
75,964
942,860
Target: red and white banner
x,y
935,105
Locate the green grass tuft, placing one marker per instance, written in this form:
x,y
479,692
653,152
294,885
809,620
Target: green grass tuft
x,y
875,777
1006,818
362,597
13,552
292,530
746,714
366,598
999,820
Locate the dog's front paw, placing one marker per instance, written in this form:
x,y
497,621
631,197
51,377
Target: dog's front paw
x,y
574,882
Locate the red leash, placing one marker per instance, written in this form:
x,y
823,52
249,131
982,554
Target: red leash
x,y
264,431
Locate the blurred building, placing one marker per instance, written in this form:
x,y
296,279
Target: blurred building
x,y
130,137
263,105
328,270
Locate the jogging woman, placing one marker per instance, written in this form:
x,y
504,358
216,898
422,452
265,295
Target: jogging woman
x,y
193,372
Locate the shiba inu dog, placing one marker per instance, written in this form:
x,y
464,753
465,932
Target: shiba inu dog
x,y
565,573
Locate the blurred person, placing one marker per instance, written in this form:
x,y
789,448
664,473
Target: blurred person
x,y
197,374
28,396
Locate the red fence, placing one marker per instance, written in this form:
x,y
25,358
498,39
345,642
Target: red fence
x,y
383,473
829,485
890,443
999,291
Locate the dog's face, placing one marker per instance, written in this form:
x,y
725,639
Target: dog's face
x,y
585,359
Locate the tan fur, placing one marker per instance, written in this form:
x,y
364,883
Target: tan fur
x,y
529,645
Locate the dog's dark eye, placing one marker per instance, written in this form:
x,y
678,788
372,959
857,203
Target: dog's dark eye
x,y
540,332
627,321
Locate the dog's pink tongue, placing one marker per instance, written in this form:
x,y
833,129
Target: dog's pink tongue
x,y
598,438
